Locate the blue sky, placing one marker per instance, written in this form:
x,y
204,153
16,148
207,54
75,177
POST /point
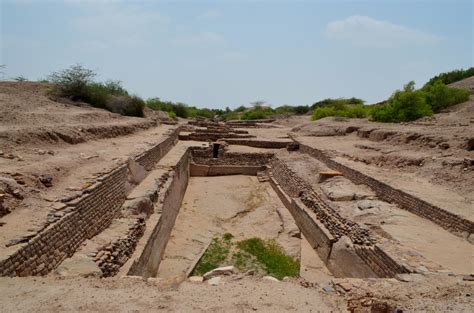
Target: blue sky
x,y
228,53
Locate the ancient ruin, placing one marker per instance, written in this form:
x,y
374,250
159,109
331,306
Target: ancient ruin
x,y
151,216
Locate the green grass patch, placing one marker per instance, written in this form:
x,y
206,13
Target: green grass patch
x,y
264,257
216,255
272,256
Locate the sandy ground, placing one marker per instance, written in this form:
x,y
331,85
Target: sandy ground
x,y
130,295
252,209
234,294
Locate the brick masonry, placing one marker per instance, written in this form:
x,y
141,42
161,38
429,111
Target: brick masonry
x,y
323,226
92,213
449,221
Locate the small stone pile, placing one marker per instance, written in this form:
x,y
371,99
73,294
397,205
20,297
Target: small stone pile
x,y
112,256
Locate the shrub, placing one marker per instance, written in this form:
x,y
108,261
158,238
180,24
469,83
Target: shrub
x,y
126,105
340,109
172,115
403,106
439,96
340,102
20,78
450,77
73,82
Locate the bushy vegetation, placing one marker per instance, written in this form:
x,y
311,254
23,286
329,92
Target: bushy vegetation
x,y
77,84
181,109
450,77
410,104
439,96
351,108
339,102
265,257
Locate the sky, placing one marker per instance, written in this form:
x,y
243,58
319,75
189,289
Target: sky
x,y
229,53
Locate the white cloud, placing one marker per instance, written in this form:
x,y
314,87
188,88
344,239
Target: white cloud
x,y
366,31
209,14
117,24
199,39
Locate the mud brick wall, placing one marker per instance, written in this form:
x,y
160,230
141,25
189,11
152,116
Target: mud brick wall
x,y
379,261
204,157
149,158
212,136
449,221
268,144
112,256
149,261
92,214
337,225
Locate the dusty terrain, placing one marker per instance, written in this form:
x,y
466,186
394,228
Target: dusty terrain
x,y
51,151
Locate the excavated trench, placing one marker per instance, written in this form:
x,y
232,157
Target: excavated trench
x,y
213,192
181,194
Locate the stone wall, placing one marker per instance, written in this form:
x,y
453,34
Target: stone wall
x,y
219,170
89,215
149,158
204,157
112,256
337,225
323,227
92,214
149,261
449,221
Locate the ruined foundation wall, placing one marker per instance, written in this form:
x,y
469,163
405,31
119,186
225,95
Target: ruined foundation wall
x,y
443,218
90,214
323,227
149,260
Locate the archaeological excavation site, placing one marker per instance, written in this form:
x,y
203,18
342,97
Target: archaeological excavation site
x,y
101,212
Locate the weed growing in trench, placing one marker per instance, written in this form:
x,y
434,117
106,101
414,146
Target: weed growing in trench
x,y
272,256
215,255
261,256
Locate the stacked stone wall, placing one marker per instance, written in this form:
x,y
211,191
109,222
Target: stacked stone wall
x,y
111,257
449,221
91,214
148,262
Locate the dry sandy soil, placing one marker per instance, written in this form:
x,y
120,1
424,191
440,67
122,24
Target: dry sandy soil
x,y
51,150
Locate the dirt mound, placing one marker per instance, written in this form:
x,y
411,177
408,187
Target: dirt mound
x,y
28,115
467,84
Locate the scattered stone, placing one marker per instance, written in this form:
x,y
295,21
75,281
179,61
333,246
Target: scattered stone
x,y
328,289
444,145
136,172
58,206
270,278
196,279
19,240
409,277
46,180
214,281
225,270
469,277
17,193
346,286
